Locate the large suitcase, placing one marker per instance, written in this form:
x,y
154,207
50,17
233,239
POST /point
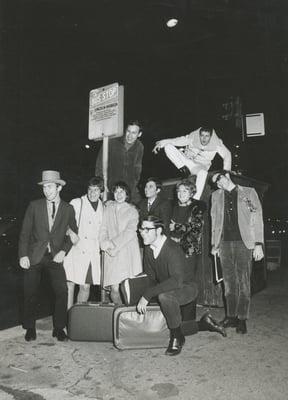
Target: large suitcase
x,y
132,330
133,288
91,322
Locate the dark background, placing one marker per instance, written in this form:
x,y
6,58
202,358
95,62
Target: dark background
x,y
53,52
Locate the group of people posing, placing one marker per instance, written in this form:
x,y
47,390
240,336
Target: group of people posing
x,y
150,234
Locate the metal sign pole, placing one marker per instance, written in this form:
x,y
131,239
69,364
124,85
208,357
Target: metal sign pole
x,y
105,156
105,165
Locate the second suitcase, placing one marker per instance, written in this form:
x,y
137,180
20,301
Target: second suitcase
x,y
139,331
91,322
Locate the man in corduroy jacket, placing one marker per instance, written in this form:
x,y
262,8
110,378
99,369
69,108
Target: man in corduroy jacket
x,y
237,237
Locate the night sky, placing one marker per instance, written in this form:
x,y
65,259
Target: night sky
x,y
53,52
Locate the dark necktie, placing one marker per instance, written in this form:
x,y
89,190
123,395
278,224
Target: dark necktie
x,y
53,209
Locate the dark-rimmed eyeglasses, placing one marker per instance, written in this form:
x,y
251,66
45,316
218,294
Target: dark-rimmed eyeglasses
x,y
219,177
146,230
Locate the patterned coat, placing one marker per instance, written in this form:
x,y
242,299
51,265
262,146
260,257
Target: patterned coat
x,y
189,226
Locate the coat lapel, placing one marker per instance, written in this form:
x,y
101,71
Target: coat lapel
x,y
58,216
154,205
44,213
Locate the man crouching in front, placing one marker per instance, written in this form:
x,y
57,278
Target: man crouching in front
x,y
168,270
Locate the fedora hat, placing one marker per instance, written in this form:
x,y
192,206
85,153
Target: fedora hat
x,y
51,177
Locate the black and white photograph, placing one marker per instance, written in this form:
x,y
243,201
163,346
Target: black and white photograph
x,y
143,199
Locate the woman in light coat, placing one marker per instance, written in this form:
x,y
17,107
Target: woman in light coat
x,y
119,241
82,263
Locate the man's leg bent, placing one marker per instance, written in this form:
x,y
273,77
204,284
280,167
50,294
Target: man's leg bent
x,y
170,303
175,156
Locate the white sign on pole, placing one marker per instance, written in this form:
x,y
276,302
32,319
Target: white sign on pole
x,y
255,124
106,112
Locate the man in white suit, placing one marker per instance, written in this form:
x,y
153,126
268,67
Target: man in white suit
x,y
200,148
237,236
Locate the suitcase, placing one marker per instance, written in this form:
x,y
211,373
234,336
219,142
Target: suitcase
x,y
132,330
91,322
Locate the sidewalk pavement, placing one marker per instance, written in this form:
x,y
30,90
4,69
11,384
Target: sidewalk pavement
x,y
210,367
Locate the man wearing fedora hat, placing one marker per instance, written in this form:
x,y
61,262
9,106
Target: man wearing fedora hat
x,y
43,245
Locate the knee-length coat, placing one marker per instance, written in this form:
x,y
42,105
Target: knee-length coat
x,y
87,250
119,225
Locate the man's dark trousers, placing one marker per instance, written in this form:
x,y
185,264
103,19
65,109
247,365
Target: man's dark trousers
x,y
32,277
170,303
236,261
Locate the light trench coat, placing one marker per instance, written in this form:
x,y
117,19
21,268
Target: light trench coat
x,y
120,226
87,250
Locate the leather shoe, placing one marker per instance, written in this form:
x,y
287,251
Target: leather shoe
x,y
212,325
60,335
229,322
185,171
241,327
175,346
30,334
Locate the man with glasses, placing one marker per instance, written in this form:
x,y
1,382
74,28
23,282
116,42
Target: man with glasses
x,y
237,236
170,281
